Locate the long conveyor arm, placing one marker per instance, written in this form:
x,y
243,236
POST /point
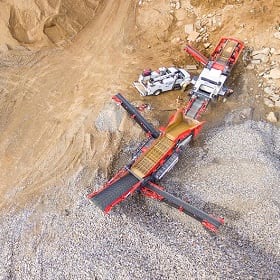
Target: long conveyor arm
x,y
148,127
115,192
207,221
196,54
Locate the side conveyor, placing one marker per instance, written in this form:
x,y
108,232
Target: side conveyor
x,y
113,194
133,112
208,221
196,54
196,107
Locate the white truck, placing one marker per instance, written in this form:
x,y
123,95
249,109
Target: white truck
x,y
164,79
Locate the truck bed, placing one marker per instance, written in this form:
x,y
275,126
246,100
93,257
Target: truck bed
x,y
140,87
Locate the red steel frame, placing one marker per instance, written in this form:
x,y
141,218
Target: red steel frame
x,y
217,52
233,57
119,175
123,197
220,65
236,52
195,130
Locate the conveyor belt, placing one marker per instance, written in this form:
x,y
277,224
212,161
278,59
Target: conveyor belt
x,y
195,107
133,112
196,54
227,50
110,194
185,207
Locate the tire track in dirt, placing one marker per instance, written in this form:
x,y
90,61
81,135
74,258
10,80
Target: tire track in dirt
x,y
56,102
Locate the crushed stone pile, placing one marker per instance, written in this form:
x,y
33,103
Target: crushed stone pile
x,y
234,173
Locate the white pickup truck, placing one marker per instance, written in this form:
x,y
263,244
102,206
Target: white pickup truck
x,y
164,79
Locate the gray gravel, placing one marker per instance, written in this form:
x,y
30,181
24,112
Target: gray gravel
x,y
109,119
234,173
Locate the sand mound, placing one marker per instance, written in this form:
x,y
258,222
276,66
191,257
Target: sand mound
x,y
44,22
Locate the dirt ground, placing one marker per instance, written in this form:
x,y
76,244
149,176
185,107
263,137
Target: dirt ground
x,y
60,64
50,101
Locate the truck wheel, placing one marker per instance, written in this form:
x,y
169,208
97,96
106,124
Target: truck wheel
x,y
157,92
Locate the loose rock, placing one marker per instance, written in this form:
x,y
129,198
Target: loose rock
x,y
276,35
274,74
193,36
271,117
268,103
268,90
189,28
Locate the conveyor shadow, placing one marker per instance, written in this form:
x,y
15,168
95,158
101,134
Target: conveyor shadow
x,y
159,219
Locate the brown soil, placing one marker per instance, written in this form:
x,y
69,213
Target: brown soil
x,y
76,55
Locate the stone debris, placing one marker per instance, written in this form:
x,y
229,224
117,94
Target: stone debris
x,y
175,4
276,35
191,67
274,97
271,117
193,36
205,24
265,51
176,40
269,103
109,119
268,90
260,56
63,236
238,116
189,28
142,2
275,52
274,74
21,57
207,45
178,5
266,61
277,103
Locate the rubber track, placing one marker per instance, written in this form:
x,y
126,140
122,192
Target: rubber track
x,y
108,195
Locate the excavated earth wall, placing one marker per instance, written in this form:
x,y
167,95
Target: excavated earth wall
x,y
41,23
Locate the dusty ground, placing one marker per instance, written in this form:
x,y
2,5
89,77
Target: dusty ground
x,y
60,63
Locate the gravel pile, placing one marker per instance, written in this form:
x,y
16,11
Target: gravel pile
x,y
109,119
235,173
